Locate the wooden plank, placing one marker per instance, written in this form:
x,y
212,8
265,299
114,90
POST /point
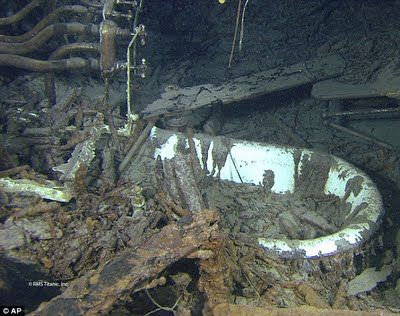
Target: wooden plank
x,y
387,84
246,87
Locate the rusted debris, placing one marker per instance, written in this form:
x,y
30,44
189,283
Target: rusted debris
x,y
60,113
170,207
84,152
5,159
186,183
37,209
97,291
176,177
13,171
217,272
143,136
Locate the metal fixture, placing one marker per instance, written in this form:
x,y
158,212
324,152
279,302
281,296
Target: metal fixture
x,y
282,169
361,113
108,33
49,19
16,50
358,114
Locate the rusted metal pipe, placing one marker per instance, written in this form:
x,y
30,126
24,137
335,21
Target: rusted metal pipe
x,y
52,17
108,33
20,14
43,36
73,48
59,53
44,65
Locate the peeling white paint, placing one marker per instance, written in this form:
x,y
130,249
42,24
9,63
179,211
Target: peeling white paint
x,y
279,244
318,247
153,133
336,185
252,159
210,160
168,149
353,235
197,144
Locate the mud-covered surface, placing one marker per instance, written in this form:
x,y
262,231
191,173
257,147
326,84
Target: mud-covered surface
x,y
189,44
252,211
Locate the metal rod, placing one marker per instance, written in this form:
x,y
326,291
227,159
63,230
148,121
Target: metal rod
x,y
128,70
137,29
136,145
235,34
362,136
134,27
234,165
361,112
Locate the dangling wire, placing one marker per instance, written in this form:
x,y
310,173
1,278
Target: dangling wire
x,y
235,34
241,20
242,26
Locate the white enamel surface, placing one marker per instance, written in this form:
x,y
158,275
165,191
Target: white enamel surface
x,y
168,149
317,247
335,184
197,145
252,159
209,157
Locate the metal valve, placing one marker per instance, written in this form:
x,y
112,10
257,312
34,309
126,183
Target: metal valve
x,y
142,68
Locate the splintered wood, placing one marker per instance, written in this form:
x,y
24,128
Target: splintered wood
x,y
247,87
177,178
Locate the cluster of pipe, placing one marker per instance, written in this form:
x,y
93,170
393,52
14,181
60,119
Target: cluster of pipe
x,y
15,49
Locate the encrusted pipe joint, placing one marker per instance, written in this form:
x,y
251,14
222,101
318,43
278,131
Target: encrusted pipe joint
x,y
138,201
108,9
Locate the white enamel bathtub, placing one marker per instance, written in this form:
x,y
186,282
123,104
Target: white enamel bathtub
x,y
250,159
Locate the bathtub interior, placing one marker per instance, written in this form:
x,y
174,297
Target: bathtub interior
x,y
246,162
